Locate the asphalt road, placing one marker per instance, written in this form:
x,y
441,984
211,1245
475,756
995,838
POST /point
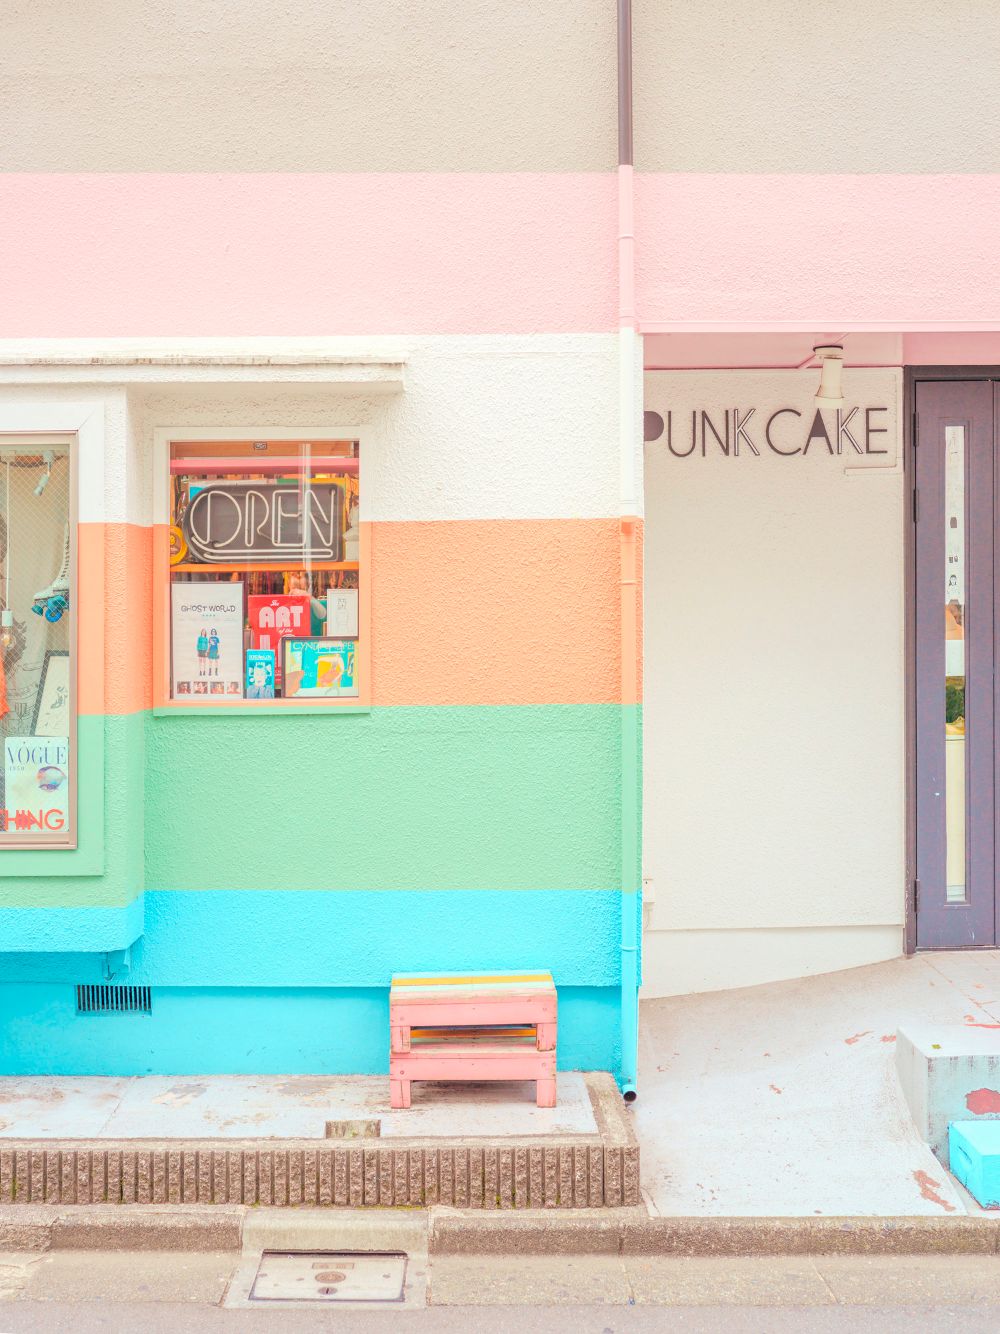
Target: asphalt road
x,y
80,1292
168,1318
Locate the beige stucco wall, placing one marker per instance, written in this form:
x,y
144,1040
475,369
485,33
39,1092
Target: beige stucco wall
x,y
774,688
775,86
244,85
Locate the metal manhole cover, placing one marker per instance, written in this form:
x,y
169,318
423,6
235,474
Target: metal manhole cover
x,y
329,1276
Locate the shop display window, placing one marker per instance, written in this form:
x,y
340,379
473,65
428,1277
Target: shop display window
x,y
37,643
265,573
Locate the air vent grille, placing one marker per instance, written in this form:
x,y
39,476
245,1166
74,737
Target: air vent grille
x,y
113,1000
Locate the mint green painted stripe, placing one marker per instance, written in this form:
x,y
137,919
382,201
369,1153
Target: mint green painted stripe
x,y
484,797
105,869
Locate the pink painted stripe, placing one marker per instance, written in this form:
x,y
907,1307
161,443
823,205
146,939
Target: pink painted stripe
x,y
955,349
831,251
461,253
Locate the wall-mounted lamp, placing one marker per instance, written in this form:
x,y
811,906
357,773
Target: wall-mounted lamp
x,y
830,393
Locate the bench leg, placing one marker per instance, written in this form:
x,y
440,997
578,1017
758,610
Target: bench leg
x,y
399,1093
545,1092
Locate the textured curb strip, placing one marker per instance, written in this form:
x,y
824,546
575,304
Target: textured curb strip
x,y
577,1172
634,1233
109,1228
443,1231
812,1236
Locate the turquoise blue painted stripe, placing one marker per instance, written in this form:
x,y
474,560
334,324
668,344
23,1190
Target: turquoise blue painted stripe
x,y
344,939
75,930
195,1031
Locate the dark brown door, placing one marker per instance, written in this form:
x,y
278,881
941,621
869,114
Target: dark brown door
x,y
956,625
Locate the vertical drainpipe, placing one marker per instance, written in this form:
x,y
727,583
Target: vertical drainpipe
x,y
628,513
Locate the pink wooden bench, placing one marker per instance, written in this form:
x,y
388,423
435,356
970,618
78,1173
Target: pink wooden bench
x,y
472,1026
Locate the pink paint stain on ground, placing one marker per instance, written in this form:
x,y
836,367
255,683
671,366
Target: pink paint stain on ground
x,y
983,1101
929,1189
888,1037
857,1037
774,1088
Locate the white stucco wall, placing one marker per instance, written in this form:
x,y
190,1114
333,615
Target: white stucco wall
x,y
774,836
778,86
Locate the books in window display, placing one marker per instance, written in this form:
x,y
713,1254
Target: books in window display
x,y
320,668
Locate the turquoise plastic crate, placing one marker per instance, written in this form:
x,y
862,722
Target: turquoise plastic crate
x,y
974,1148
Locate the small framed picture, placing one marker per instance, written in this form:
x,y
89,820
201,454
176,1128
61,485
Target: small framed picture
x,y
51,716
342,613
319,668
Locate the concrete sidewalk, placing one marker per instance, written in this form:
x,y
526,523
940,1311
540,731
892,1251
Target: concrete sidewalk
x,y
221,1141
773,1102
784,1100
205,1107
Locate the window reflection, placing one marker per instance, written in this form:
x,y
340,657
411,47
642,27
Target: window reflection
x,y
955,667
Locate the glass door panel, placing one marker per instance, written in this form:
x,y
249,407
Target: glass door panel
x,y
954,471
954,663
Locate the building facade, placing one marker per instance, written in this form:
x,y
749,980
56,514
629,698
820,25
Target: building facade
x,y
323,481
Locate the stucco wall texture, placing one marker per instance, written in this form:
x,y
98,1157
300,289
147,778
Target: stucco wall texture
x,y
287,87
902,86
446,176
472,818
774,725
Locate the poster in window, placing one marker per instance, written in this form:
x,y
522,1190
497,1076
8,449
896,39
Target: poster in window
x,y
206,628
319,668
52,701
36,785
342,613
260,673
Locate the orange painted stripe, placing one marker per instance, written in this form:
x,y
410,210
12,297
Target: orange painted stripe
x,y
467,612
114,621
504,611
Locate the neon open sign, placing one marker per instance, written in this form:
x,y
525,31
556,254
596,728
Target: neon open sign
x,y
234,520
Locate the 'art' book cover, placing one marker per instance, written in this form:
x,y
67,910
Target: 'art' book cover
x,y
272,617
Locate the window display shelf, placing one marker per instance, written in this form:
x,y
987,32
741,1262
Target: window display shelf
x,y
261,567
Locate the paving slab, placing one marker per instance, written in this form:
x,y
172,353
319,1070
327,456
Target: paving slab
x,y
46,1107
107,1276
15,1268
527,1280
741,1281
279,1107
881,1280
